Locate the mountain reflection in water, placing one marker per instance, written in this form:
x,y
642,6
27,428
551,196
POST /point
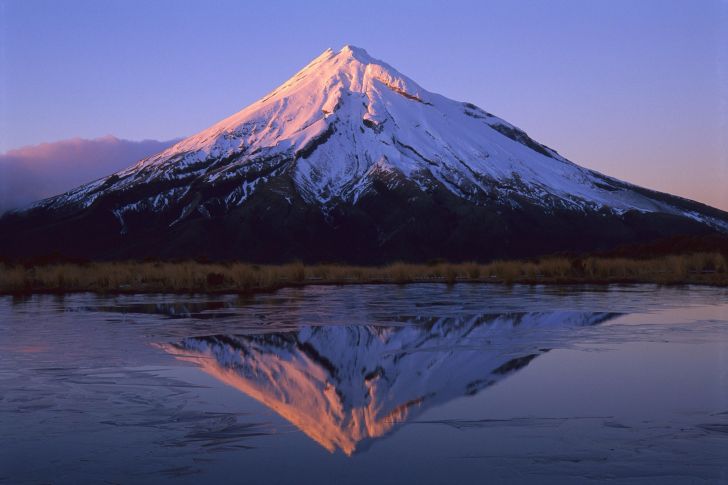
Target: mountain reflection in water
x,y
344,386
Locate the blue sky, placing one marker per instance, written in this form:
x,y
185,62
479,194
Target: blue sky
x,y
635,89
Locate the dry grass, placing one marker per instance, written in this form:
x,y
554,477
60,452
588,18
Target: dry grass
x,y
700,268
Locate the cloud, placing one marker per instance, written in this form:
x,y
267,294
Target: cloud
x,y
35,172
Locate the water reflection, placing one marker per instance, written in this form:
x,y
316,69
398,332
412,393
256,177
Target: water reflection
x,y
345,386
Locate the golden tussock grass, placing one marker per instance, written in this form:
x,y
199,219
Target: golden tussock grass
x,y
132,277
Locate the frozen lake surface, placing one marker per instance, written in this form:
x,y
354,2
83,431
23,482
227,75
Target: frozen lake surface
x,y
367,384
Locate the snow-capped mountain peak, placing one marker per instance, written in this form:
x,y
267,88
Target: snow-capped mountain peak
x,y
347,117
350,135
335,88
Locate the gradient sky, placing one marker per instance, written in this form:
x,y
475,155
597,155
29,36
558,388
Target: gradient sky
x,y
634,89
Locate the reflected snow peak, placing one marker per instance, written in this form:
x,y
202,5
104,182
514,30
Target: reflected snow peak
x,y
346,385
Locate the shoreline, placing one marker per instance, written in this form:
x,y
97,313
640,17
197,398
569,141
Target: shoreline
x,y
241,278
273,289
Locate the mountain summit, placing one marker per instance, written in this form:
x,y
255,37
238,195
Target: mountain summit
x,y
351,160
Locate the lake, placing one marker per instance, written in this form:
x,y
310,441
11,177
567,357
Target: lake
x,y
425,383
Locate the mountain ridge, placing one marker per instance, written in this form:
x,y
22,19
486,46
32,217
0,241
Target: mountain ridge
x,y
351,149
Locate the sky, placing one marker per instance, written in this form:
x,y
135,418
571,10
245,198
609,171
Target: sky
x,y
634,89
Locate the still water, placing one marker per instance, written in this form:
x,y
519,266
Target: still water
x,y
367,384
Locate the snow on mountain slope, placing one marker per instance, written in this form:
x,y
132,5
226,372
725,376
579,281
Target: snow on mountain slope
x,y
346,385
347,119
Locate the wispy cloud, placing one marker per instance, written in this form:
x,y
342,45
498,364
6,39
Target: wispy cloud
x,y
35,172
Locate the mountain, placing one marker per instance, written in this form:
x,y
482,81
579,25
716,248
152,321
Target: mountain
x,y
349,160
345,386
